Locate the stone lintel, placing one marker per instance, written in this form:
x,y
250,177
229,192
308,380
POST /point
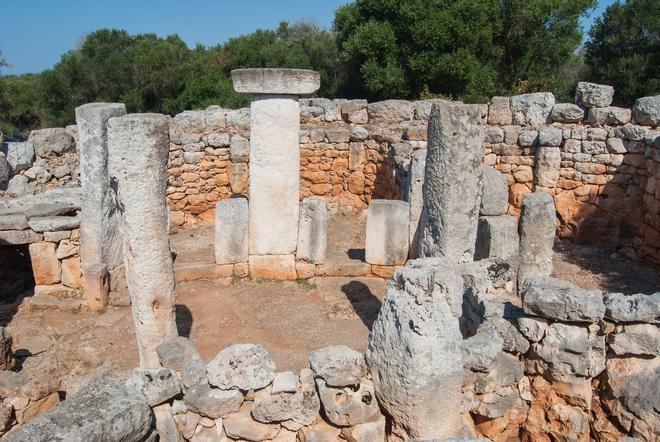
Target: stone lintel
x,y
276,81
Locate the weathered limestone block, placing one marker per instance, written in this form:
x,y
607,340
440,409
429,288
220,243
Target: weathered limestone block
x,y
414,353
231,231
55,140
348,406
125,416
176,353
187,127
45,265
277,267
567,113
497,237
415,198
632,308
243,366
57,201
480,351
568,353
550,136
275,81
494,135
239,150
274,174
13,222
559,300
240,425
156,384
499,111
138,147
388,232
495,194
19,237
17,185
452,184
634,384
548,163
100,242
338,366
166,424
5,169
608,115
636,339
53,223
354,111
423,108
297,408
390,111
532,109
19,155
96,286
593,95
532,328
513,341
366,432
313,231
647,111
537,236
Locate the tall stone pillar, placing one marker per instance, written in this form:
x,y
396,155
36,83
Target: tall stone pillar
x,y
452,183
274,155
100,245
537,236
138,146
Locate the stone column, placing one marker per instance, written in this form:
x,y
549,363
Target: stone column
x,y
274,155
416,199
313,231
452,184
537,236
387,238
99,240
138,146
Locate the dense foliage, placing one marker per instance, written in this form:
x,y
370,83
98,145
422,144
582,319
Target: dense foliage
x,y
463,49
624,49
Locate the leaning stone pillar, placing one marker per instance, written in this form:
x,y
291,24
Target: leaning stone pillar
x,y
274,155
452,183
537,236
100,246
138,146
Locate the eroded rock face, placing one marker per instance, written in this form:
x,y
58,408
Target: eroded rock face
x,y
414,354
126,416
636,339
156,384
568,353
567,113
338,365
632,308
175,353
297,409
243,366
634,384
49,141
647,111
532,109
593,95
559,300
348,406
241,426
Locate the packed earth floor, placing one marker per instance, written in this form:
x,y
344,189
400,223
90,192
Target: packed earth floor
x,y
289,318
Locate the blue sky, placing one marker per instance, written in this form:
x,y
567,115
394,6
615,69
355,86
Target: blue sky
x,y
34,33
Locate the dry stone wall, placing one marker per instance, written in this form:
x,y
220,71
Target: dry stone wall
x,y
599,162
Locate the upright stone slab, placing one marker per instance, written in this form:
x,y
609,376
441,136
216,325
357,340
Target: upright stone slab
x,y
138,147
387,232
548,163
497,237
414,352
313,231
416,199
274,154
452,184
537,236
231,231
99,237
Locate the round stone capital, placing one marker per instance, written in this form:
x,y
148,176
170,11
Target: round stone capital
x,y
276,81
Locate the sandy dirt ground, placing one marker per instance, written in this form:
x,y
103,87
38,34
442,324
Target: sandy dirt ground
x,y
288,318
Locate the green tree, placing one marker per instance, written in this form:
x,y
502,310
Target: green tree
x,y
467,49
624,49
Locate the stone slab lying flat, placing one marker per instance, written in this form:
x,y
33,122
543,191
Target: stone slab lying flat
x,y
69,198
193,271
276,81
54,223
102,411
15,237
13,222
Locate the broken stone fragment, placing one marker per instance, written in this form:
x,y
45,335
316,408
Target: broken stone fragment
x,y
240,425
285,382
157,384
348,406
297,409
6,354
552,298
532,109
176,352
647,111
537,236
495,195
338,365
480,350
243,366
567,113
593,95
513,341
212,402
636,339
632,308
532,328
